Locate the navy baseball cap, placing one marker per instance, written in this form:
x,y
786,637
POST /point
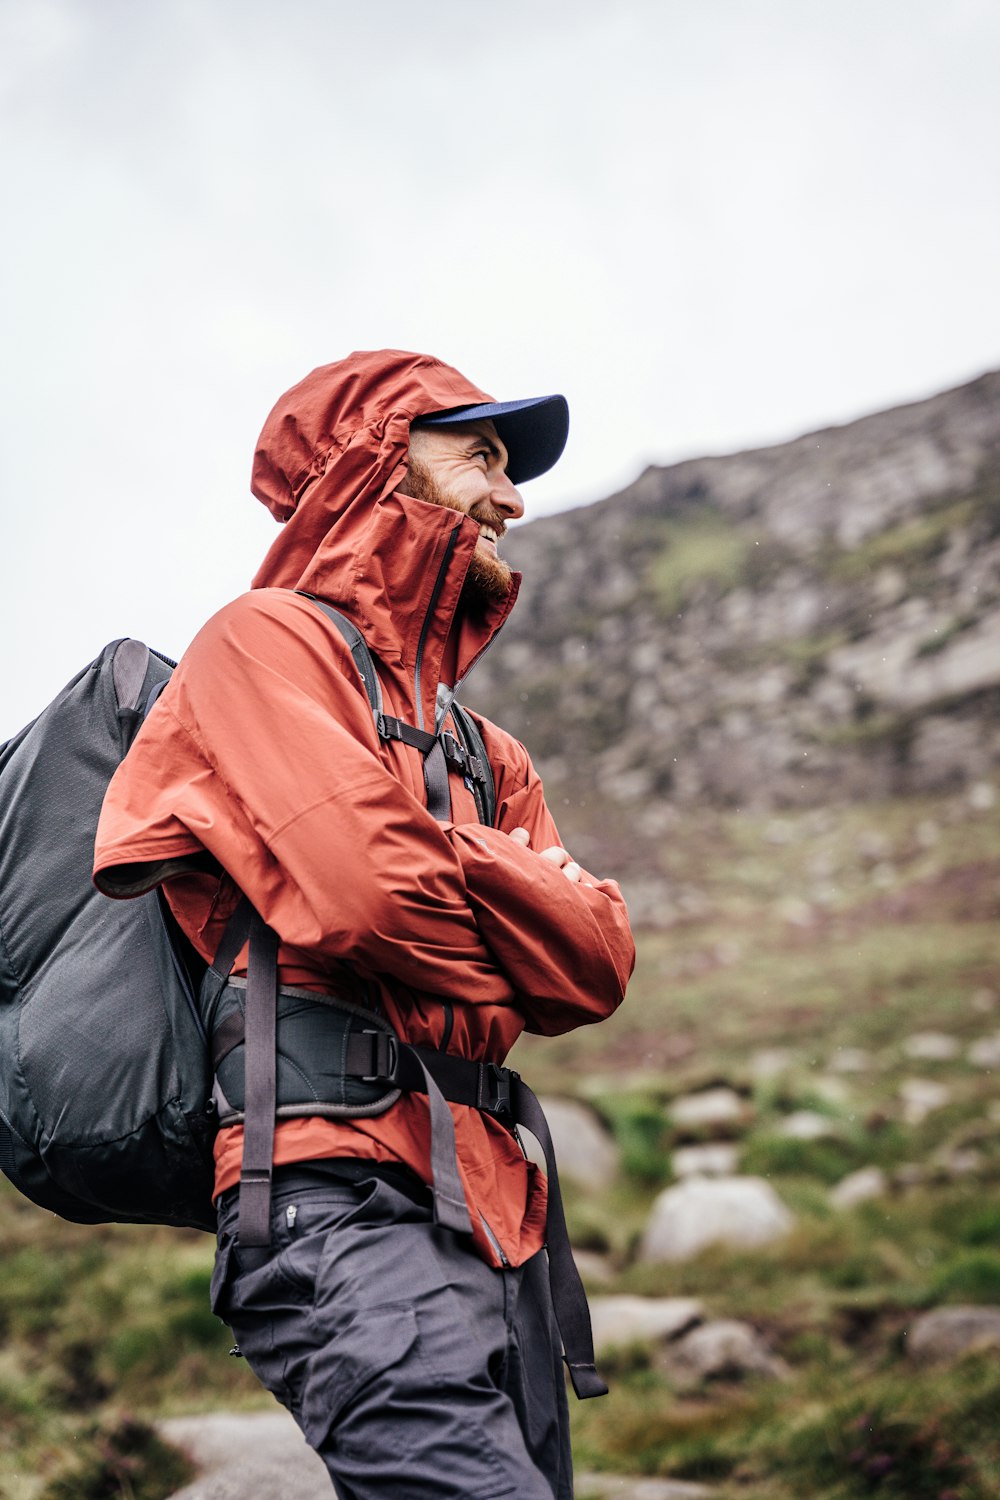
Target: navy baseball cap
x,y
533,431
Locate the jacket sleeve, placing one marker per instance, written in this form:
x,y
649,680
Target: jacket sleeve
x,y
566,947
247,756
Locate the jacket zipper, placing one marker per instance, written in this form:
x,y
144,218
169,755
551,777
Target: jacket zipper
x,y
435,595
494,1242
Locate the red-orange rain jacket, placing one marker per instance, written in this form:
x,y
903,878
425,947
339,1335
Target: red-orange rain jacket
x,y
262,750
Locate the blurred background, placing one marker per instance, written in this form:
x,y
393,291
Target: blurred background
x,y
757,656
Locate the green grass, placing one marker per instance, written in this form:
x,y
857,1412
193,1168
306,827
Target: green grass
x,y
104,1329
701,548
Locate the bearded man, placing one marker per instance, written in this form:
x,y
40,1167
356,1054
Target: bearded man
x,y
384,1269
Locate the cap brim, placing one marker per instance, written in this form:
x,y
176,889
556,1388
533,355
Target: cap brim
x,y
533,431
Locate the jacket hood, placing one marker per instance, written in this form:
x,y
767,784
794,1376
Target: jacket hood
x,y
328,461
339,439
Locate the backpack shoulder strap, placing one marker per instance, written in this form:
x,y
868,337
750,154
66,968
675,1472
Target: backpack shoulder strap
x,y
472,741
485,791
358,647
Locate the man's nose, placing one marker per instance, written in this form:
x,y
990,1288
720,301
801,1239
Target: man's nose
x,y
506,498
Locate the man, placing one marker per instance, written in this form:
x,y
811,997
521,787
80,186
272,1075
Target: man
x,y
420,1359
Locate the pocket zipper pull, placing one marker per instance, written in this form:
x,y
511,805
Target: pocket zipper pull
x,y
291,1214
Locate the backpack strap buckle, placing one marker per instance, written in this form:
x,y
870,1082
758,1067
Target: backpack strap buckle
x,y
463,760
494,1088
384,1060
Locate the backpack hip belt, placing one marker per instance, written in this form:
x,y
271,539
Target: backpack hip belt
x,y
362,1067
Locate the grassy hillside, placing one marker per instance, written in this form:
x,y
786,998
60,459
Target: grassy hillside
x,y
801,958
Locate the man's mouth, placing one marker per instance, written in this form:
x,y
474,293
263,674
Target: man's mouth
x,y
488,535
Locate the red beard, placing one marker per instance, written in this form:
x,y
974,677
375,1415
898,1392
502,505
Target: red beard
x,y
489,578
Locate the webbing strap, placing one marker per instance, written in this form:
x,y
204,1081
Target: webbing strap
x,y
450,1208
260,1087
377,1056
568,1296
236,932
436,782
500,1091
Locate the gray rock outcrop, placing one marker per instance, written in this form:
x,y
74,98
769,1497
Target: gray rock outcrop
x,y
708,1109
248,1456
859,1187
744,1212
628,1487
585,1150
725,1349
713,1159
813,622
948,1333
622,1320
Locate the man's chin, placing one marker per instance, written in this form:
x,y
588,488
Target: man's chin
x,y
488,580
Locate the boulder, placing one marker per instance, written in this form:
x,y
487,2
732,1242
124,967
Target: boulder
x,y
585,1150
722,1350
744,1212
948,1333
714,1159
593,1267
931,1046
851,1060
921,1097
859,1187
711,1107
258,1455
618,1321
628,1487
985,1053
807,1125
771,1062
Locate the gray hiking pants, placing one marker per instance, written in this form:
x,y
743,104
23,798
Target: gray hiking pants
x,y
414,1369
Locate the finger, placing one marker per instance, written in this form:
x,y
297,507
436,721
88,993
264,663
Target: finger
x,y
521,836
572,871
556,855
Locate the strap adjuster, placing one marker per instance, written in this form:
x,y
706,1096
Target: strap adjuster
x,y
494,1088
384,1058
454,753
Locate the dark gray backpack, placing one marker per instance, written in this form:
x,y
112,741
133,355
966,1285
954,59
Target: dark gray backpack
x,y
105,1077
106,1074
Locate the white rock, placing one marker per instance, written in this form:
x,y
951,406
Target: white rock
x,y
721,1350
807,1125
260,1454
949,1332
985,1053
833,1089
719,1106
585,1150
859,1187
931,1046
622,1320
921,1097
770,1062
982,796
910,1174
851,1060
593,1267
744,1212
963,1162
714,1159
627,1487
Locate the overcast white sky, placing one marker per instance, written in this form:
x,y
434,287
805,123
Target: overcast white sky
x,y
711,223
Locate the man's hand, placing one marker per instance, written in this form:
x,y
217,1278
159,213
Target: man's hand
x,y
556,856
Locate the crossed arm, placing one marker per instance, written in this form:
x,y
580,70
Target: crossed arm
x,y
246,755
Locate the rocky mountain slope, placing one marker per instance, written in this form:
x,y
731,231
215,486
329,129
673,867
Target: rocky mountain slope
x,y
800,625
